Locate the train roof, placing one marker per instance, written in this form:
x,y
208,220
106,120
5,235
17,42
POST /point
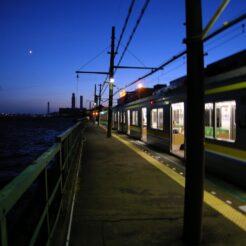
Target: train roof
x,y
227,64
229,67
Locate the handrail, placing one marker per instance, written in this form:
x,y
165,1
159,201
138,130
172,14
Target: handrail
x,y
51,173
11,193
63,135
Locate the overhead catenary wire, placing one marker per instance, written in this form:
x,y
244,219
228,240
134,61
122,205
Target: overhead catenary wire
x,y
125,24
119,41
134,30
169,71
225,41
93,58
104,89
224,36
216,32
123,30
133,55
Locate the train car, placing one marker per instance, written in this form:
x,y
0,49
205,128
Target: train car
x,y
159,120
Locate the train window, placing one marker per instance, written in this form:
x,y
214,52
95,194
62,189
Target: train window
x,y
160,118
225,122
208,120
135,118
178,117
157,118
154,118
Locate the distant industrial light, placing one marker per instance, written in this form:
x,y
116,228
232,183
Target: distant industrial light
x,y
111,80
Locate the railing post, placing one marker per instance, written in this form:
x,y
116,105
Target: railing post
x,y
61,170
4,234
47,202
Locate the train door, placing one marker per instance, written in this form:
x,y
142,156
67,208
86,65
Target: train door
x,y
144,124
177,129
128,122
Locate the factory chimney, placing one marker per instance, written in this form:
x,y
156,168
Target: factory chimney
x,y
73,101
48,108
81,102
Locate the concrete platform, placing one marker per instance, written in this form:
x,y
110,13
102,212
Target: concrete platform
x,y
124,200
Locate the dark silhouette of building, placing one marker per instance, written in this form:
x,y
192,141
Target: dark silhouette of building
x,y
73,111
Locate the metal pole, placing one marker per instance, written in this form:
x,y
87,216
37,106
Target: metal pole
x,y
99,103
194,133
215,17
95,96
111,77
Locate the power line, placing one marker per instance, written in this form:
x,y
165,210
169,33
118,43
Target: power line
x,y
103,91
226,41
134,30
225,35
125,25
133,55
93,58
216,32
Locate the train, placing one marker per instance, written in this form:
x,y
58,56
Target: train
x,y
158,119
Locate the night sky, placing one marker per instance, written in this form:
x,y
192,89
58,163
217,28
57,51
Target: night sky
x,y
43,43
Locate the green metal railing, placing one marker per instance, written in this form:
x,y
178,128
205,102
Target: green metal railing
x,y
31,204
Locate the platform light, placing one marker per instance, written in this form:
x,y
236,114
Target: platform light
x,y
111,80
122,93
140,85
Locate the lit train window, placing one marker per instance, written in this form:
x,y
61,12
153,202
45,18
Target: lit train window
x,y
208,120
154,118
160,118
157,118
135,118
178,118
225,120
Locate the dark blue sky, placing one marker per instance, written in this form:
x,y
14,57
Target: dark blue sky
x,y
64,35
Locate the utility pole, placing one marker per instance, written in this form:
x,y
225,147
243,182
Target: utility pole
x,y
95,96
111,81
194,133
99,103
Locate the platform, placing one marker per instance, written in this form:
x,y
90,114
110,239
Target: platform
x,y
126,197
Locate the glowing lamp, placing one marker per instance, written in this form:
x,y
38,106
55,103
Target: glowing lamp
x,y
111,80
122,93
140,85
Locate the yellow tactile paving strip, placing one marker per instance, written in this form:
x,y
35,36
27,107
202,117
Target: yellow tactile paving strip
x,y
220,206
